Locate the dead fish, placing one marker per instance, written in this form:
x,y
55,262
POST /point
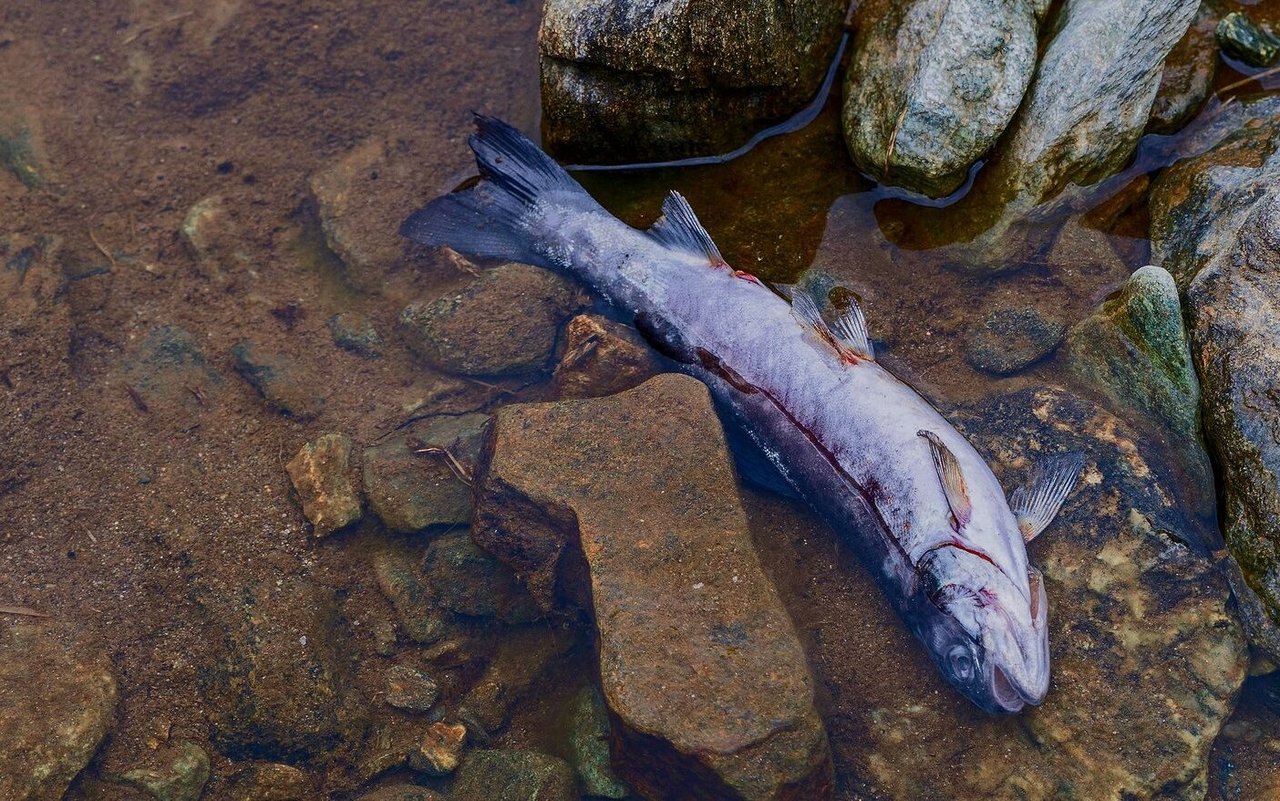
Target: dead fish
x,y
921,507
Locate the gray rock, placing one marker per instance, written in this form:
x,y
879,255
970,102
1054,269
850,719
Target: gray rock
x,y
467,580
170,373
327,483
589,745
58,700
1007,341
278,689
648,79
1242,38
1188,74
22,147
1215,226
409,688
182,779
355,333
1092,93
932,84
277,379
1134,348
514,776
419,478
269,781
642,485
503,323
1147,654
398,568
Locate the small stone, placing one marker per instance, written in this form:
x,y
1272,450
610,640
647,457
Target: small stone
x,y
181,780
514,776
589,745
21,149
418,479
401,791
407,688
354,199
440,750
385,641
214,239
601,357
523,655
277,380
327,483
355,333
57,701
504,323
170,373
1240,37
468,580
398,570
269,781
1010,340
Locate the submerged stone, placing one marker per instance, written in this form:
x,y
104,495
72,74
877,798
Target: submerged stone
x,y
467,580
523,656
1007,341
514,776
268,781
601,357
1240,37
589,745
1188,74
278,379
327,483
398,569
647,79
504,323
21,148
58,700
355,333
700,666
440,751
183,779
932,84
409,688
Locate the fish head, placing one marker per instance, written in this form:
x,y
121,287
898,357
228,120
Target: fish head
x,y
988,636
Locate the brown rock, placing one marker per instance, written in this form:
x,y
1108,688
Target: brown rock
x,y
440,750
699,663
522,656
1188,74
323,477
601,357
269,781
418,479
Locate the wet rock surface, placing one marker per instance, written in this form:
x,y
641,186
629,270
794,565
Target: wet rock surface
x,y
278,691
277,379
601,357
1010,340
589,746
57,702
417,478
467,580
1188,74
639,80
514,776
641,485
504,323
268,781
355,333
409,688
932,84
327,483
1215,221
1242,38
181,778
1140,625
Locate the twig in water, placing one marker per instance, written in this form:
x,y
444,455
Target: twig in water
x,y
25,611
459,470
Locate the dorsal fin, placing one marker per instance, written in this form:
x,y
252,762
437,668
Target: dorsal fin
x,y
806,308
851,329
953,483
678,228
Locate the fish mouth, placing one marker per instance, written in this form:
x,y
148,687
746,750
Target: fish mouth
x,y
1005,693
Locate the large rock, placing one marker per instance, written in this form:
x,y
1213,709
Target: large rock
x,y
1134,348
631,501
57,701
503,323
1146,655
1216,224
278,689
645,79
932,84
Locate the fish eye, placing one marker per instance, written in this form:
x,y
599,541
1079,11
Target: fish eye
x,y
960,661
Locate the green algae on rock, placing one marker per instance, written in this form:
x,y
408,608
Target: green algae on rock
x,y
629,505
644,80
1135,348
58,698
1240,37
932,84
589,745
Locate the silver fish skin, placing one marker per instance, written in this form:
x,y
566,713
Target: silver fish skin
x,y
920,505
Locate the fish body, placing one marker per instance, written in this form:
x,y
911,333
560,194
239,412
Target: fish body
x,y
920,505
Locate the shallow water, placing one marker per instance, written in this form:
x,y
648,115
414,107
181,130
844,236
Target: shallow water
x,y
116,516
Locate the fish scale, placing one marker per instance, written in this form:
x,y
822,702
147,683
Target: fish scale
x,y
917,502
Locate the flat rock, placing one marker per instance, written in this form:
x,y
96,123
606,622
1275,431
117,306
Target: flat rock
x,y
1007,341
410,688
601,357
277,690
327,483
1147,656
641,79
57,702
699,664
417,478
503,323
1216,227
1134,348
514,776
932,84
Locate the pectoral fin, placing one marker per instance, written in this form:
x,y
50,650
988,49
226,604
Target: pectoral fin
x,y
1036,505
953,483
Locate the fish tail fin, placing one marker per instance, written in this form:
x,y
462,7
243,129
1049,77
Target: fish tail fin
x,y
500,216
